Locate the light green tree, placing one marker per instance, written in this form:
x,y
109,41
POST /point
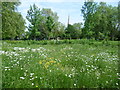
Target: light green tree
x,y
42,23
13,24
88,10
34,17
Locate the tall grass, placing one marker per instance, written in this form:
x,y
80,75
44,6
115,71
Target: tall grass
x,y
59,64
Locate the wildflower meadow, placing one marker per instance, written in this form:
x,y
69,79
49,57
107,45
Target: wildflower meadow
x,y
66,65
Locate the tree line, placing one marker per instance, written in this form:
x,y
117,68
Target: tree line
x,y
100,23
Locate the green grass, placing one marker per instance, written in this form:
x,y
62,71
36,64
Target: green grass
x,y
79,64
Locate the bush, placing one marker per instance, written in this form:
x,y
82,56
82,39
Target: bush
x,y
65,41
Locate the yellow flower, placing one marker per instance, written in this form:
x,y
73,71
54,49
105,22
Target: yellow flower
x,y
58,64
51,58
52,61
44,60
36,86
46,66
47,63
40,62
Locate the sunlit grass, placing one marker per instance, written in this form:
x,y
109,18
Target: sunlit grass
x,y
59,66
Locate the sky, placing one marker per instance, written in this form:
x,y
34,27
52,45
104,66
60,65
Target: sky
x,y
62,7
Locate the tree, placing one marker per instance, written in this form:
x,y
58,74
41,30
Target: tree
x,y
118,35
50,25
43,22
88,11
100,21
58,30
0,20
34,17
51,22
105,18
71,32
112,22
12,21
20,26
78,30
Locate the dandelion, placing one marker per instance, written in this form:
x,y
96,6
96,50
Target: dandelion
x,y
44,60
46,66
52,61
51,58
40,62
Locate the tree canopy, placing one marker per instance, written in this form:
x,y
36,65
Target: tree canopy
x,y
100,23
13,24
43,23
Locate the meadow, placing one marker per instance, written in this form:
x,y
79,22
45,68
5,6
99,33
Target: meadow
x,y
60,64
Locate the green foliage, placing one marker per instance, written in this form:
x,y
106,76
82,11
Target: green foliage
x,y
106,22
59,66
73,31
33,16
88,10
100,21
0,20
12,21
66,41
44,21
78,30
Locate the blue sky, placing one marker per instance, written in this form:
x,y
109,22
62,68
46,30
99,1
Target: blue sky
x,y
62,7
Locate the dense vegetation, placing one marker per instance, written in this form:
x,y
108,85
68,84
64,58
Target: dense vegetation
x,y
69,65
52,55
13,24
100,23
